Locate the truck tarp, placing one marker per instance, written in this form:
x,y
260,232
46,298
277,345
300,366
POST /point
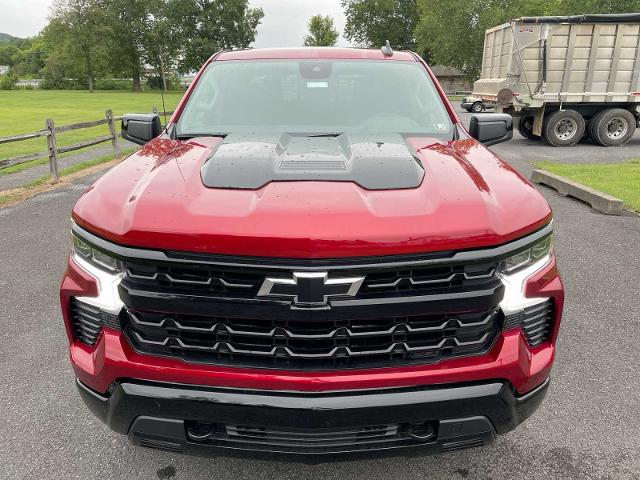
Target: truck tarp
x,y
594,18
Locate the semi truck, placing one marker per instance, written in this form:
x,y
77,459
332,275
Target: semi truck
x,y
565,77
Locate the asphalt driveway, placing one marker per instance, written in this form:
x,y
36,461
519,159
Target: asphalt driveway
x,y
588,427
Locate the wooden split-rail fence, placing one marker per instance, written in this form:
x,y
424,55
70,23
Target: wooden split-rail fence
x,y
53,150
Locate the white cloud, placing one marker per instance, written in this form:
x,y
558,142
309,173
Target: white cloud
x,y
23,18
285,21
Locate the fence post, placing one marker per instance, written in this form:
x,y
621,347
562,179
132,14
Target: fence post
x,y
112,131
53,151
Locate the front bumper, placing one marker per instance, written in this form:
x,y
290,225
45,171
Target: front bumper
x,y
425,420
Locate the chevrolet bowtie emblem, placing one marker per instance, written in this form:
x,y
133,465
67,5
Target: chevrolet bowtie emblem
x,y
311,289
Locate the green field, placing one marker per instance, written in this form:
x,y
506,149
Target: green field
x,y
622,180
24,111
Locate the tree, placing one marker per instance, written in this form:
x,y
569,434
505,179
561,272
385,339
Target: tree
x,y
212,25
82,33
371,23
128,26
322,32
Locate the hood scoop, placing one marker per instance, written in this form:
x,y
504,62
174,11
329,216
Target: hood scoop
x,y
373,161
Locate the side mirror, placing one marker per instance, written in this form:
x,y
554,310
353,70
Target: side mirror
x,y
491,128
141,128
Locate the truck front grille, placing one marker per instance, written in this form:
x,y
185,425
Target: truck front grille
x,y
402,313
320,344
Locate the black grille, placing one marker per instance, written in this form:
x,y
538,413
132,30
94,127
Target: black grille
x,y
89,320
402,314
317,440
314,344
244,282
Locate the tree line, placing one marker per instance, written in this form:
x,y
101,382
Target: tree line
x,y
87,41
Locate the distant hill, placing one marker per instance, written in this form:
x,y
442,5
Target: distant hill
x,y
5,37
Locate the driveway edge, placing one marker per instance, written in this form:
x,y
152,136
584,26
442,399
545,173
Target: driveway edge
x,y
598,200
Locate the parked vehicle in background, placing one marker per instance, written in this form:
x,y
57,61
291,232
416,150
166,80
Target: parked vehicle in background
x,y
566,77
475,105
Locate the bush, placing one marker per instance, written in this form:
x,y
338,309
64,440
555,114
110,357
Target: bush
x,y
8,81
154,83
113,84
53,83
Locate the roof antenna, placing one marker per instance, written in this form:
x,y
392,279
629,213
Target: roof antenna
x,y
387,51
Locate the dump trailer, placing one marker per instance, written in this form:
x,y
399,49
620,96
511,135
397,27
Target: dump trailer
x,y
565,77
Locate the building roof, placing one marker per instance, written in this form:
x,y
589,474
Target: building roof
x,y
328,53
443,71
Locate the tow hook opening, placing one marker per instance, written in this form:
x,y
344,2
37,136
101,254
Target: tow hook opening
x,y
422,432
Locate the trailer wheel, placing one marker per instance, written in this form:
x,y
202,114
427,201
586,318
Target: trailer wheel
x,y
612,127
525,128
477,107
563,128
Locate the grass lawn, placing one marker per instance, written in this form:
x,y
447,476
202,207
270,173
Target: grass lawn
x,y
24,111
621,180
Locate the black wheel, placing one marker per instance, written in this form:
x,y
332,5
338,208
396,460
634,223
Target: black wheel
x,y
477,107
468,109
525,128
563,128
612,127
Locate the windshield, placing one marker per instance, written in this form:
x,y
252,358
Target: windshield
x,y
315,96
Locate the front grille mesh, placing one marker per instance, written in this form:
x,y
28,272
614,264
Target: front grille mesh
x,y
309,440
314,344
244,282
403,313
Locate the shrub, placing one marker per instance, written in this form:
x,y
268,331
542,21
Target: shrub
x,y
113,84
8,81
154,83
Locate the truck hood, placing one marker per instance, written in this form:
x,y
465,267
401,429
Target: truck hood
x,y
466,198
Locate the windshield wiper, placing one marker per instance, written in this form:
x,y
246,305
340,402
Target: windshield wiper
x,y
320,135
189,136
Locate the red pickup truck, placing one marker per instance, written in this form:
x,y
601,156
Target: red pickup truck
x,y
313,257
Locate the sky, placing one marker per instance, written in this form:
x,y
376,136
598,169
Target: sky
x,y
284,23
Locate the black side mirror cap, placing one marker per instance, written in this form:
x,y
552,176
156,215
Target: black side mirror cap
x,y
141,128
491,128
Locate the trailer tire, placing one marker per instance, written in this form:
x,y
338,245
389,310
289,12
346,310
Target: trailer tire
x,y
612,127
525,128
477,107
563,128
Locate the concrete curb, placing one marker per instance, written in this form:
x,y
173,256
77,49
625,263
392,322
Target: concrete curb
x,y
598,200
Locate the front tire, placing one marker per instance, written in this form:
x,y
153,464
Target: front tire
x,y
612,127
563,128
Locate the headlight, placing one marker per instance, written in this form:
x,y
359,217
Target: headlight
x,y
95,257
528,257
107,272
